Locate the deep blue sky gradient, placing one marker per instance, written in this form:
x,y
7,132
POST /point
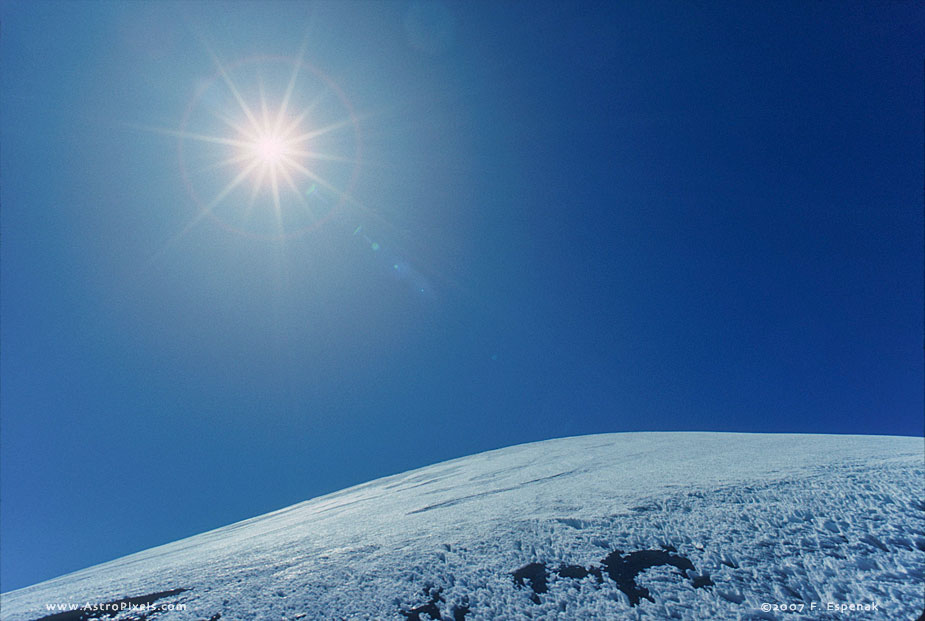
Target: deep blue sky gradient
x,y
611,216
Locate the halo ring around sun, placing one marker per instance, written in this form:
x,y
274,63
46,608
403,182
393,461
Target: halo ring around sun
x,y
269,147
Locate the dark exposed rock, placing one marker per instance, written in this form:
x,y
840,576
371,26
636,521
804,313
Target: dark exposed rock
x,y
624,569
579,572
698,582
460,612
619,567
430,608
535,573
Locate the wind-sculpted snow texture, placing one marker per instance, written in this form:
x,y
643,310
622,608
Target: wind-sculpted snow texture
x,y
618,526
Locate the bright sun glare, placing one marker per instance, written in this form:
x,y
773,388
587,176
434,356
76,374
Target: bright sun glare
x,y
273,149
269,149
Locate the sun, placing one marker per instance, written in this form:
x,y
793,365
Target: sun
x,y
269,147
272,150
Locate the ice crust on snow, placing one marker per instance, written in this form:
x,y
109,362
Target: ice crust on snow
x,y
801,521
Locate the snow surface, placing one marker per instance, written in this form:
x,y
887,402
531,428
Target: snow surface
x,y
803,521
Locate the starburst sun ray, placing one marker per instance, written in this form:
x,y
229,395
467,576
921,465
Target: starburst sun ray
x,y
261,124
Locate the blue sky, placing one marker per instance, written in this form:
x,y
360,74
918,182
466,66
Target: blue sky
x,y
565,218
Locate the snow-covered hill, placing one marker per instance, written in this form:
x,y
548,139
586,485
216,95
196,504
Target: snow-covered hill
x,y
634,525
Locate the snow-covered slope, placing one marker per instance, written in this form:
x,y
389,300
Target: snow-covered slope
x,y
634,525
